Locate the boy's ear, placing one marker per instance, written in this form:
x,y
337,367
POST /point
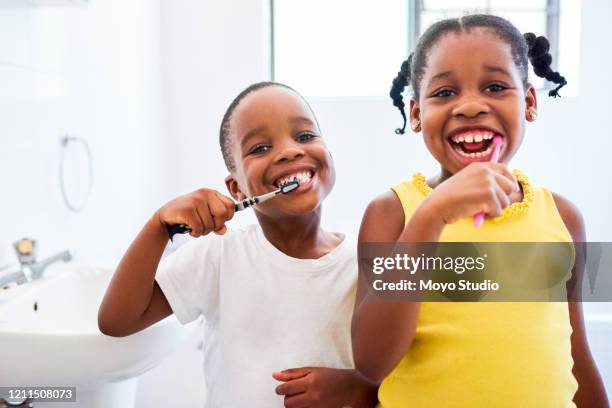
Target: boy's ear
x,y
234,188
415,116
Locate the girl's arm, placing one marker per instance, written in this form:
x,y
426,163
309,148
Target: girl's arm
x,y
591,391
393,322
382,331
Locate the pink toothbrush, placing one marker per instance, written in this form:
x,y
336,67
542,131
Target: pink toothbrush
x,y
478,219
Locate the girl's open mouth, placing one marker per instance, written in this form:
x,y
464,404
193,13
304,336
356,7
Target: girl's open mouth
x,y
473,145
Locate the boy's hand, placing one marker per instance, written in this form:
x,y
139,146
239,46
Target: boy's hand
x,y
321,387
203,211
477,187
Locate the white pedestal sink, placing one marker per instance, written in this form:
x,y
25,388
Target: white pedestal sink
x,y
49,337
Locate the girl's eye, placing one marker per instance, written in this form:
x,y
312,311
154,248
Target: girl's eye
x,y
305,137
496,88
443,93
259,149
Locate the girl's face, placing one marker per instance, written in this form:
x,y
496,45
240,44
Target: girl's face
x,y
274,138
471,90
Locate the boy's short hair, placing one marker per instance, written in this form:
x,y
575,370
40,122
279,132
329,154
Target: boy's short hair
x,y
224,140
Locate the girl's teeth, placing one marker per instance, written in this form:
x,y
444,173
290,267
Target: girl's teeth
x,y
469,139
478,138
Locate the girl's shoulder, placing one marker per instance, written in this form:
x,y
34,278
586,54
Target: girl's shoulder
x,y
571,216
383,219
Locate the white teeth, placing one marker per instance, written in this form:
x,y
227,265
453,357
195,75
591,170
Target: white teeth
x,y
473,136
302,176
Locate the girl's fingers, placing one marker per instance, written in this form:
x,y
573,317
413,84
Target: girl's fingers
x,y
508,185
297,401
291,373
292,387
502,169
503,198
494,207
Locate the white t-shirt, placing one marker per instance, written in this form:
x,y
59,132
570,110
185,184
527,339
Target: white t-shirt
x,y
264,311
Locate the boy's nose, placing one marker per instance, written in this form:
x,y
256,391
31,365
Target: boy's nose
x,y
289,153
470,108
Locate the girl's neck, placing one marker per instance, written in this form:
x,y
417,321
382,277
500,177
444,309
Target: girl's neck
x,y
298,236
440,178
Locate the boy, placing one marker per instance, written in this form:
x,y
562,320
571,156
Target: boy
x,y
275,295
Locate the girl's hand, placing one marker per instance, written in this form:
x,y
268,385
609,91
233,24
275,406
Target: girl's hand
x,y
477,187
323,387
203,211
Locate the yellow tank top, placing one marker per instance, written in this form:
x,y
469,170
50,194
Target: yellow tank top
x,y
490,354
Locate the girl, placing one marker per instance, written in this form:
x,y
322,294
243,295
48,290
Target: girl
x,y
469,82
275,296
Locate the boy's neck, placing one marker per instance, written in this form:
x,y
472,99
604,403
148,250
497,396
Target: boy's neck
x,y
298,236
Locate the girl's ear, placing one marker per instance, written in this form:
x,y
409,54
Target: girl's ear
x,y
415,116
531,104
234,188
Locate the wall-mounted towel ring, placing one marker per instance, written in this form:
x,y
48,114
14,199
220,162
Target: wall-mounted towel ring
x,y
65,142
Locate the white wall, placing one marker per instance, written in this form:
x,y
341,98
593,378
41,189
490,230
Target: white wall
x,y
92,72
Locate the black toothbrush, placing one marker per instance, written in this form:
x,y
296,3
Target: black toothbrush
x,y
284,188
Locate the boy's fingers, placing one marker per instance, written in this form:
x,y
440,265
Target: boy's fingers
x,y
207,220
195,224
292,387
218,212
229,204
291,373
221,230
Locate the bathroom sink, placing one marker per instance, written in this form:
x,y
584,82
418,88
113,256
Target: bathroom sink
x,y
49,337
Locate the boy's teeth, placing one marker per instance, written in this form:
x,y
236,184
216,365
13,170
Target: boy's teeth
x,y
302,176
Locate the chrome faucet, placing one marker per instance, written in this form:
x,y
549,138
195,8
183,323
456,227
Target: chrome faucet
x,y
30,269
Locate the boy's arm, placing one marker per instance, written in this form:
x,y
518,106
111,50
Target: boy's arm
x,y
591,391
133,300
326,387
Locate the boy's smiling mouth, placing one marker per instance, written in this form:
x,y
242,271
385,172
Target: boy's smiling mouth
x,y
304,176
473,144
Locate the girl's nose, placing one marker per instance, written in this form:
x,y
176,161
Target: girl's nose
x,y
470,108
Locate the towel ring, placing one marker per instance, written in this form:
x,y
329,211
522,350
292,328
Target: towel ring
x,y
64,143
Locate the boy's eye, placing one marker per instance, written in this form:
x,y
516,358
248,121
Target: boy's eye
x,y
305,137
259,149
443,93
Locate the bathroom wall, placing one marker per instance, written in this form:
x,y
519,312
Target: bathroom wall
x,y
93,71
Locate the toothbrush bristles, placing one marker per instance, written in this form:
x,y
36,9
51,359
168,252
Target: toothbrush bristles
x,y
290,185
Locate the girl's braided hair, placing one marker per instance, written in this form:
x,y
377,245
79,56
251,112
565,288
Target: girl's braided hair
x,y
524,48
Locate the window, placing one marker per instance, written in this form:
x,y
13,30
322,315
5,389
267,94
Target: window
x,y
348,48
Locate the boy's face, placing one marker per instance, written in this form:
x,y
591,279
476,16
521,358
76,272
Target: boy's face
x,y
274,137
471,84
